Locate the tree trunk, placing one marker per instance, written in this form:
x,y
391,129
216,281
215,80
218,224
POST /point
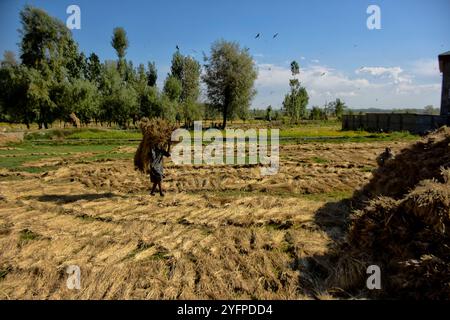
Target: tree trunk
x,y
224,124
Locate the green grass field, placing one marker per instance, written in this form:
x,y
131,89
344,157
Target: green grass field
x,y
97,144
16,157
304,132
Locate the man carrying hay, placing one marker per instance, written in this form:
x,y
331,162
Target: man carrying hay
x,y
155,145
157,169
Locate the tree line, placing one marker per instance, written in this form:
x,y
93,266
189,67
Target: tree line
x,y
53,80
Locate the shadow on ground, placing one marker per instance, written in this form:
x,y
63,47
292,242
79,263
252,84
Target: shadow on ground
x,y
61,198
315,271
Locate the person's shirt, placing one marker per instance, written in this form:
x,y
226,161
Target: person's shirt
x,y
157,157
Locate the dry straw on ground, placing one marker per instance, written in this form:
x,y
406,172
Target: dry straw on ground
x,y
211,237
404,227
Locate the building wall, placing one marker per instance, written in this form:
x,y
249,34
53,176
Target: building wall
x,y
445,100
375,122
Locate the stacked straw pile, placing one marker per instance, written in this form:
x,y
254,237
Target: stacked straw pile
x,y
404,227
75,121
421,161
155,133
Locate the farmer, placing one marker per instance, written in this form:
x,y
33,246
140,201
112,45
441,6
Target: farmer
x,y
156,168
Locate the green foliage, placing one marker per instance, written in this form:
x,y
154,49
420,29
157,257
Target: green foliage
x,y
49,57
119,99
129,73
183,85
295,68
167,108
119,42
28,235
38,97
53,79
152,74
317,114
190,81
121,104
78,66
94,68
190,112
335,108
269,113
339,108
296,101
149,102
46,43
176,70
210,112
80,97
14,86
230,74
319,160
172,88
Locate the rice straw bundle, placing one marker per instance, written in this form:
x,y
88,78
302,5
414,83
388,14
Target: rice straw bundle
x,y
403,226
156,132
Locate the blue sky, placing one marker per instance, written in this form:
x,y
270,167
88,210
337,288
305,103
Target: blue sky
x,y
339,56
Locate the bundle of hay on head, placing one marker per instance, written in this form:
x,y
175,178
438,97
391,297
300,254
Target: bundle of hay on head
x,y
156,133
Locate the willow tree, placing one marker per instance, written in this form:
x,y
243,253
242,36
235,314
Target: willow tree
x,y
49,56
230,74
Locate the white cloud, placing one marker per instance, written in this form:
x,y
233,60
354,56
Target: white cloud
x,y
383,87
418,89
394,73
426,67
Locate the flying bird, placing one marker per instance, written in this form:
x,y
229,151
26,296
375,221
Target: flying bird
x,y
323,74
177,47
275,35
257,36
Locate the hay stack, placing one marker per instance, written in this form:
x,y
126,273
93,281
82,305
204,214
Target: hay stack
x,y
156,132
75,121
404,227
422,160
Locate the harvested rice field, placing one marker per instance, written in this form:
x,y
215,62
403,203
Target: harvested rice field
x,y
220,232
